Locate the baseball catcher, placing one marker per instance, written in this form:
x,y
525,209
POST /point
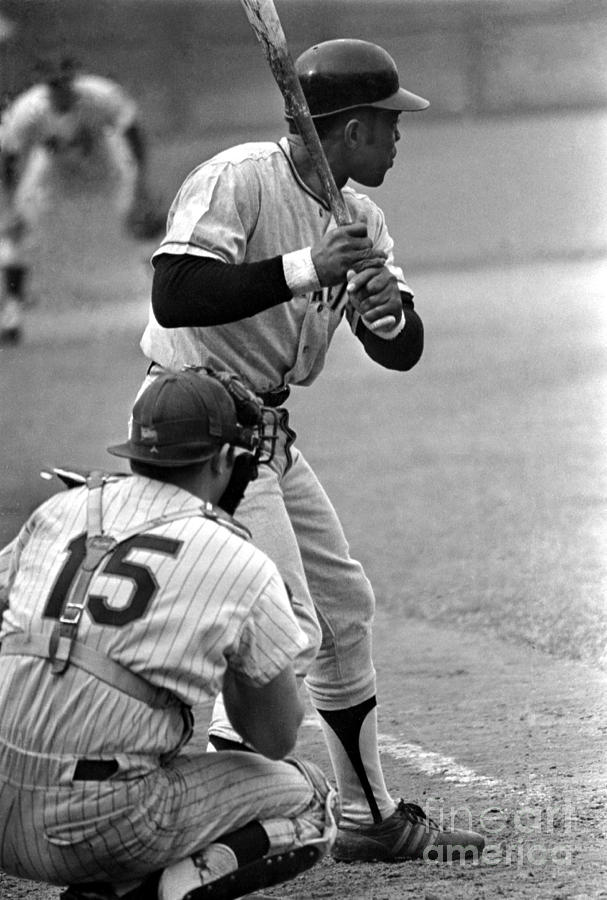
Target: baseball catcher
x,y
130,599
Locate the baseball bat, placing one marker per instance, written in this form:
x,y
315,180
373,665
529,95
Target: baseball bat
x,y
263,19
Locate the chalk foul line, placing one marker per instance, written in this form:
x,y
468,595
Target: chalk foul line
x,y
427,761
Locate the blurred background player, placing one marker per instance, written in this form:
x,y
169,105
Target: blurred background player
x,y
129,600
74,168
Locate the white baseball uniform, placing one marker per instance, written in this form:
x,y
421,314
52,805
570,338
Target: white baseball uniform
x,y
76,182
247,204
175,603
81,150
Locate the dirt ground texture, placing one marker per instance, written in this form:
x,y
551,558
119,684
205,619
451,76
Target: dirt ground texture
x,y
473,489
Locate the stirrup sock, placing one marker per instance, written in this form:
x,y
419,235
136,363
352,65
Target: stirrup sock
x,y
351,737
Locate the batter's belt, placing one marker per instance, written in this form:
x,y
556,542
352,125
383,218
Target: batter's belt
x,y
276,398
273,399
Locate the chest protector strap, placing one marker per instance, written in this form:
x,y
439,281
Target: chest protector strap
x,y
62,647
98,546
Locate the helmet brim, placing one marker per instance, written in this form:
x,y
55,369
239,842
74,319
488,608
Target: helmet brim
x,y
400,101
403,101
162,458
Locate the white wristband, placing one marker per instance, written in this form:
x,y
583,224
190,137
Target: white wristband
x,y
300,273
388,334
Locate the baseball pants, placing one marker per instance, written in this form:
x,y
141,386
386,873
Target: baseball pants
x,y
60,831
293,521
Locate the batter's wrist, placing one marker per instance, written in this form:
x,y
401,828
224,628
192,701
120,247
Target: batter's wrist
x,y
390,334
300,272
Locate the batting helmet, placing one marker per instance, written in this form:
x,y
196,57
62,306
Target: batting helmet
x,y
181,419
346,73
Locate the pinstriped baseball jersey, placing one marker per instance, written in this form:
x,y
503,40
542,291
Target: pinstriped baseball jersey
x,y
173,604
176,604
244,205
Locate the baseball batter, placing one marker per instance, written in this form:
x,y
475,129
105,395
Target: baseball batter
x,y
254,276
128,601
73,167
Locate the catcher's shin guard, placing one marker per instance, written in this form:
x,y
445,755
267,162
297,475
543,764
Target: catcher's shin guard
x,y
262,873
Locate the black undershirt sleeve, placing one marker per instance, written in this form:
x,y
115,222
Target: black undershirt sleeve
x,y
403,351
198,291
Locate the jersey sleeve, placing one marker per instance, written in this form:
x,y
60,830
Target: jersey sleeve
x,y
214,212
271,637
6,571
111,104
9,562
21,126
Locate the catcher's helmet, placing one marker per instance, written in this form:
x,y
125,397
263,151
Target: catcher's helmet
x,y
180,419
346,73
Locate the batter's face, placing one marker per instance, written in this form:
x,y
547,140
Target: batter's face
x,y
61,95
375,150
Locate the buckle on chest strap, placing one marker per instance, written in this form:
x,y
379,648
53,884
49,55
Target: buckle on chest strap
x,y
98,545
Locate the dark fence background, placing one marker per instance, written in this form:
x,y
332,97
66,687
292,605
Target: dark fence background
x,y
507,164
195,64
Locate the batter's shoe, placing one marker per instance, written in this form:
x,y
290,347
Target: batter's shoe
x,y
407,834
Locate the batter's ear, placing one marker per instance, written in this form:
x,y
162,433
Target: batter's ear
x,y
353,133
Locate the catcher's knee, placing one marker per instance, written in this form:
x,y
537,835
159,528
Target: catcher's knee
x,y
315,777
295,845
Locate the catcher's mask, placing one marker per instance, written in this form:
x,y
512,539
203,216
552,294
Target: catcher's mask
x,y
346,73
184,417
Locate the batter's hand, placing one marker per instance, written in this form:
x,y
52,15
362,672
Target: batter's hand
x,y
339,250
375,295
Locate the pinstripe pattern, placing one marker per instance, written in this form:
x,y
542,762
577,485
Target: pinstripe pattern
x,y
216,597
